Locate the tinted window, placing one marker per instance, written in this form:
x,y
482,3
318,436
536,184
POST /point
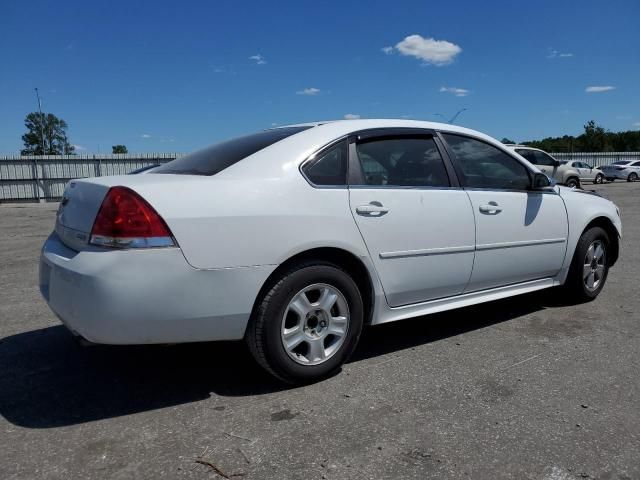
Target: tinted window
x,y
537,158
330,167
216,158
621,162
485,166
402,162
635,164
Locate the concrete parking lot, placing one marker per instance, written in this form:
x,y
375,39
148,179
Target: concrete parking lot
x,y
522,388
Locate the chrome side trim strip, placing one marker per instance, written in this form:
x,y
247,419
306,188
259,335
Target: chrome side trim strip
x,y
469,248
522,243
427,251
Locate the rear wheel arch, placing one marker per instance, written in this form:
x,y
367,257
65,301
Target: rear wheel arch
x,y
607,225
572,177
343,259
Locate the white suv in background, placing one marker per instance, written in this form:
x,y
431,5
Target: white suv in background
x,y
628,170
562,173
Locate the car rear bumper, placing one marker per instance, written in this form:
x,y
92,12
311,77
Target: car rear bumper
x,y
146,296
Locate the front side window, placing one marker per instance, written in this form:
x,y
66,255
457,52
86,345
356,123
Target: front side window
x,y
402,162
214,159
485,166
329,167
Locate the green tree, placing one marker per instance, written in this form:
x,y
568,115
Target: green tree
x,y
46,135
505,140
119,149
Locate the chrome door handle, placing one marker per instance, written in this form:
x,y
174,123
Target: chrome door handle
x,y
491,209
373,209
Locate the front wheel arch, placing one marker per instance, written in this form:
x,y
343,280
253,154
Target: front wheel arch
x,y
614,237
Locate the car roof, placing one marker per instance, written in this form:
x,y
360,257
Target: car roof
x,y
353,125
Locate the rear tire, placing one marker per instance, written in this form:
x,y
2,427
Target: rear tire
x,y
589,267
573,182
633,177
308,323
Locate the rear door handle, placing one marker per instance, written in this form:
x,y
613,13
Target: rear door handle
x,y
491,209
373,209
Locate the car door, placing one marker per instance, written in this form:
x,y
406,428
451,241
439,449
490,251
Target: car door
x,y
584,171
521,234
415,219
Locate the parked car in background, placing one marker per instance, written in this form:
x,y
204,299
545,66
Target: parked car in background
x,y
628,170
561,173
295,237
586,172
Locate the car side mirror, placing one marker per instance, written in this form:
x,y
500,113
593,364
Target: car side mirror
x,y
556,163
540,181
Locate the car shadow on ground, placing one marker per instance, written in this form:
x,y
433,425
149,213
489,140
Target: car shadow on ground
x,y
48,380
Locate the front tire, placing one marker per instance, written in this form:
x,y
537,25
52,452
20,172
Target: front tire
x,y
633,177
307,325
599,179
590,266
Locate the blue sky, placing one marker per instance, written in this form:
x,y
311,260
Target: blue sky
x,y
175,76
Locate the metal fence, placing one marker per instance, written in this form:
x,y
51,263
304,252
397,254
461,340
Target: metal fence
x,y
597,159
42,178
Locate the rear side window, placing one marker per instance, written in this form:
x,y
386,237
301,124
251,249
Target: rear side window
x,y
485,166
402,162
214,159
329,167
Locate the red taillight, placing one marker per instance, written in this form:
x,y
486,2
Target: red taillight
x,y
126,220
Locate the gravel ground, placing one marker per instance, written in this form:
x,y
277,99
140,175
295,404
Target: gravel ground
x,y
521,388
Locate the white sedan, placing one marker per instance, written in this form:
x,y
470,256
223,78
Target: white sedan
x,y
293,238
628,170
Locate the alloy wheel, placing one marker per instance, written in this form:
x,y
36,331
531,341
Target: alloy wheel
x,y
315,324
594,265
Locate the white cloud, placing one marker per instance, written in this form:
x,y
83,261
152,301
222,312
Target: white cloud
x,y
431,51
351,116
308,91
145,135
556,54
635,124
387,50
458,92
79,147
598,89
259,59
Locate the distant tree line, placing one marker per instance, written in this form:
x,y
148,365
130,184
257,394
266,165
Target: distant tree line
x,y
47,135
594,139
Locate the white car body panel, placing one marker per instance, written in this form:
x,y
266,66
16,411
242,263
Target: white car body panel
x,y
417,236
525,241
433,251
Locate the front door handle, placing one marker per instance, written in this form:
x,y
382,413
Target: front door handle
x,y
491,209
373,209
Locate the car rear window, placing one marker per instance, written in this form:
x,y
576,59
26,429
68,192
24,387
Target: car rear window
x,y
214,159
621,162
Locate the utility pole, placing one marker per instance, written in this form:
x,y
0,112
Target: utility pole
x,y
41,121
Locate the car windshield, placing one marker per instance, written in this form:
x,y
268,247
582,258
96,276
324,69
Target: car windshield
x,y
214,159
